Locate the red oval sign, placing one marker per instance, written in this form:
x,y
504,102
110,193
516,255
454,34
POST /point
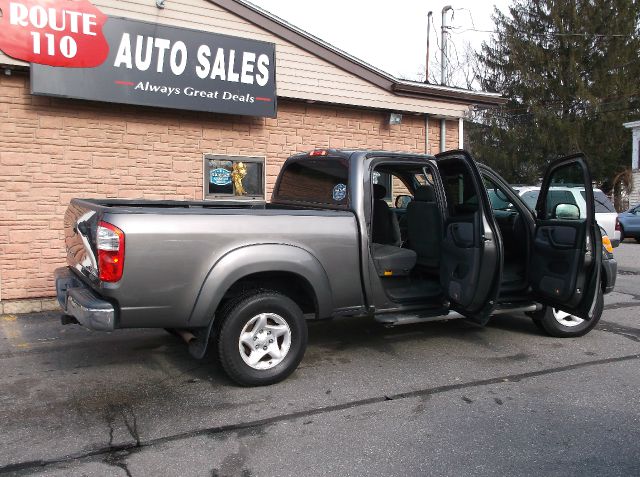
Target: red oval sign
x,y
65,33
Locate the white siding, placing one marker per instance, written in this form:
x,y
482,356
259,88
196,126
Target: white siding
x,y
300,75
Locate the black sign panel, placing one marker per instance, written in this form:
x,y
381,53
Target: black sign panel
x,y
157,65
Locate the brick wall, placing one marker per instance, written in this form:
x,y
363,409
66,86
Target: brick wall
x,y
54,149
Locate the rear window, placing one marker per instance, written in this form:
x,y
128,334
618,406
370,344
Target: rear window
x,y
602,202
321,181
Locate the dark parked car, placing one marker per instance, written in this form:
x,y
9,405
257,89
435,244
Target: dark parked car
x,y
630,223
330,245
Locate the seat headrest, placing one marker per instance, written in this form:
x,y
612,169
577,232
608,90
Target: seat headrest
x,y
425,193
379,191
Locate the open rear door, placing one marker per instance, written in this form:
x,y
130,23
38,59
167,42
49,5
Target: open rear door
x,y
567,247
471,259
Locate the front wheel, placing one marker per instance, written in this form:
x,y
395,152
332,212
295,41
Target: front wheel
x,y
262,338
557,323
621,235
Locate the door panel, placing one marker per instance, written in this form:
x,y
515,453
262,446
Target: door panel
x,y
566,256
557,248
471,260
461,233
461,260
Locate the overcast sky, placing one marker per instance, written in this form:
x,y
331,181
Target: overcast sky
x,y
390,35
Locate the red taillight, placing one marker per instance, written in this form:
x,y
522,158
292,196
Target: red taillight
x,y
319,152
617,224
110,244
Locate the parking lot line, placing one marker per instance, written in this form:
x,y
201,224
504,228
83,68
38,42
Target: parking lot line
x,y
11,329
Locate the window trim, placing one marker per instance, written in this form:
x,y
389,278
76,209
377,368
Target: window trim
x,y
240,158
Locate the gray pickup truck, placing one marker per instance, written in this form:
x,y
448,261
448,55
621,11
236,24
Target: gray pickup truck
x,y
453,240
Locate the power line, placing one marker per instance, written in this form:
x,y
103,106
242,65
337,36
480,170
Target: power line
x,y
585,34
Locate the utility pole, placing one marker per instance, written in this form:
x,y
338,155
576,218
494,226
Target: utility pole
x,y
443,51
429,15
443,74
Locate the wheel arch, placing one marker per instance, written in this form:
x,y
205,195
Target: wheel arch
x,y
288,269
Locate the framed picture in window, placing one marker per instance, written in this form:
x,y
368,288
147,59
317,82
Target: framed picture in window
x,y
233,177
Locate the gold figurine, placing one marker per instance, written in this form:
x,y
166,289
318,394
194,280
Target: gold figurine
x,y
238,173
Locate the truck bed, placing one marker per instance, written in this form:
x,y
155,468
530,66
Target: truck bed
x,y
144,206
171,248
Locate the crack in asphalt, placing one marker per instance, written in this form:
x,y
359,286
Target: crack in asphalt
x,y
115,454
628,332
628,271
130,423
624,304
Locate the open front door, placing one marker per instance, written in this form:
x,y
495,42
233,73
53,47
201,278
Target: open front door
x,y
471,258
567,245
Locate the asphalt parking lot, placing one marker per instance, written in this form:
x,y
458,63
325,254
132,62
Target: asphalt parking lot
x,y
446,398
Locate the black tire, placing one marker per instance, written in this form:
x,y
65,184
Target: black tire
x,y
637,239
621,234
237,314
546,321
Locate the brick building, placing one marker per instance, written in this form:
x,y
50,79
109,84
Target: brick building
x,y
53,149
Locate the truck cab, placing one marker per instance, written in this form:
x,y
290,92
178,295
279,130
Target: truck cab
x,y
438,246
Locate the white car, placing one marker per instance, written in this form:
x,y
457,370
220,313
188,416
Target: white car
x,y
606,214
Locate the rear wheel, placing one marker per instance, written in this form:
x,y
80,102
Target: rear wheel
x,y
638,239
262,338
621,234
560,324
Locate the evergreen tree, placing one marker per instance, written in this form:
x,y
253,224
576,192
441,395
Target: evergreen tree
x,y
570,70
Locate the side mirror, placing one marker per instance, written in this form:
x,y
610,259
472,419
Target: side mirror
x,y
566,212
402,201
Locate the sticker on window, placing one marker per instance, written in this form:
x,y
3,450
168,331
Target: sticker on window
x,y
339,192
220,177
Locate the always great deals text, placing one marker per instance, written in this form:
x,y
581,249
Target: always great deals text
x,y
190,91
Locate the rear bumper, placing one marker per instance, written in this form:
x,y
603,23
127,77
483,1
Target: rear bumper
x,y
610,270
81,302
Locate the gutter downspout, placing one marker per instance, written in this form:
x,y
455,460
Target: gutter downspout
x,y
443,133
460,133
426,134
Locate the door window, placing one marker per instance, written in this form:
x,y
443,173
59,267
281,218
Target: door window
x,y
559,199
459,190
384,179
497,197
531,198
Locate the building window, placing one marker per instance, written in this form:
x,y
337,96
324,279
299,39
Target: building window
x,y
233,177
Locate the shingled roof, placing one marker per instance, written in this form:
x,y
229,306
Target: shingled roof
x,y
351,64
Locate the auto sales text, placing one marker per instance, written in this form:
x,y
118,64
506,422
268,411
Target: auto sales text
x,y
144,53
